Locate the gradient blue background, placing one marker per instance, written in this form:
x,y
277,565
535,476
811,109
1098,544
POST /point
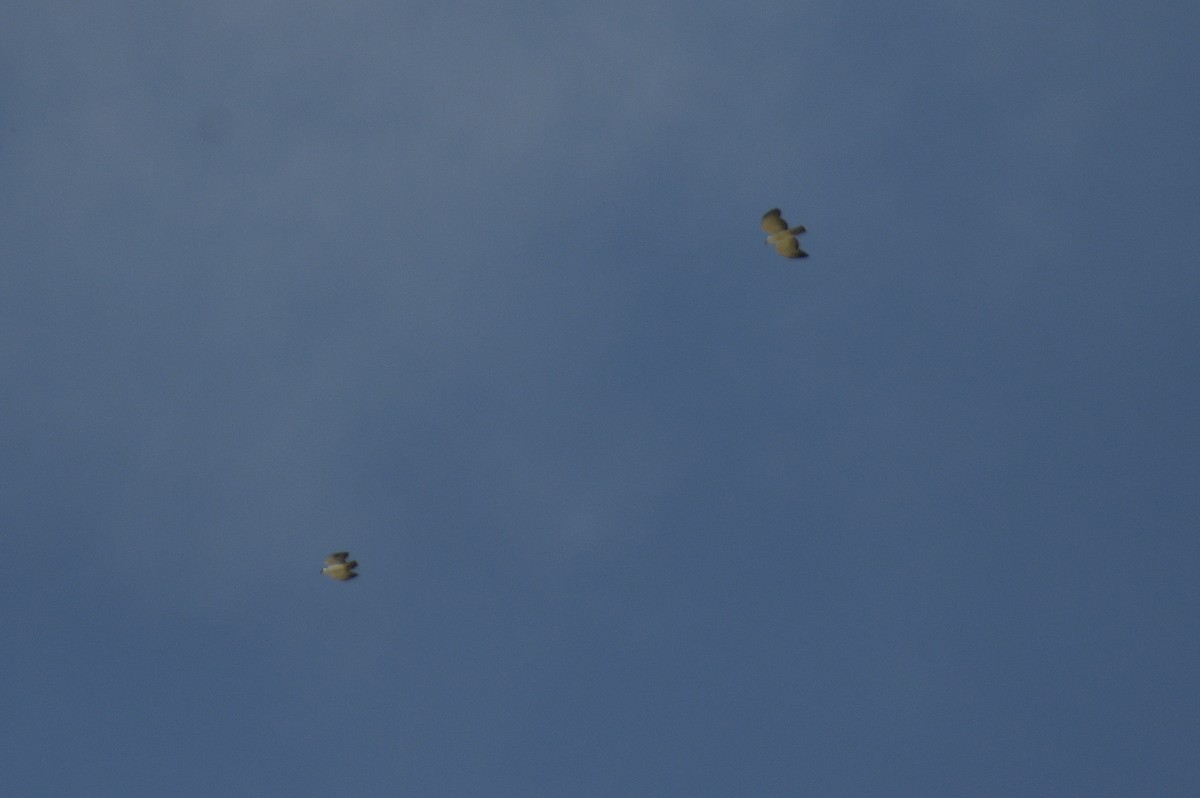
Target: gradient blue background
x,y
477,291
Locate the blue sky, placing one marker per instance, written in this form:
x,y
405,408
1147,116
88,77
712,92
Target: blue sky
x,y
477,292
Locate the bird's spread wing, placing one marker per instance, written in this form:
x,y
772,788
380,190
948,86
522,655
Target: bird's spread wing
x,y
789,247
337,558
772,222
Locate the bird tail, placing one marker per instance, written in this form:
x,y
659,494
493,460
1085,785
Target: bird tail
x,y
797,230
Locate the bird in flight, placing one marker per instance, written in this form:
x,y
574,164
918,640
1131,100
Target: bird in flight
x,y
779,236
336,566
